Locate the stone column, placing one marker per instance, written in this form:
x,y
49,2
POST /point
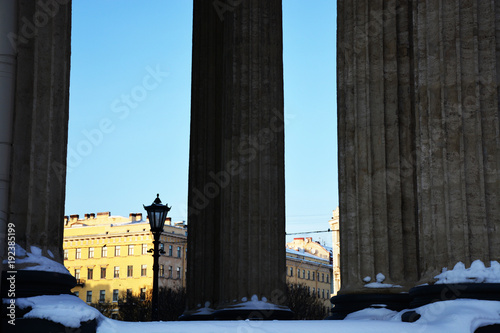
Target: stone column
x,y
236,202
39,140
457,58
376,151
418,139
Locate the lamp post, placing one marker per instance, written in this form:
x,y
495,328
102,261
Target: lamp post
x,y
157,213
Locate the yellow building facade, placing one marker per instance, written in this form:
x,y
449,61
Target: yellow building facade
x,y
308,263
108,255
334,227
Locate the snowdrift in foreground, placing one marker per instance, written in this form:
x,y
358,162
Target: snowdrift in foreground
x,y
462,315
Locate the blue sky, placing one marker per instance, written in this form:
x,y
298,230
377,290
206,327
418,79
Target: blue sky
x,y
130,109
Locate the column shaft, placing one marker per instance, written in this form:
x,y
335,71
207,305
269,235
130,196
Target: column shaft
x,y
236,191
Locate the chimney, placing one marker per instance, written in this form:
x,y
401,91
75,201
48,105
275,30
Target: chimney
x,y
132,217
168,221
92,215
104,214
138,216
66,220
74,217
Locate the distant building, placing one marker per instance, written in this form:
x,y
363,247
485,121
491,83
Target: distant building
x,y
334,227
108,255
308,263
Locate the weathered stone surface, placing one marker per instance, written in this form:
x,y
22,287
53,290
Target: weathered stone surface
x,y
236,178
40,129
376,169
419,137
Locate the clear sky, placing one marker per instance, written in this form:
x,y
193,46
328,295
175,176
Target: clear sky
x,y
130,109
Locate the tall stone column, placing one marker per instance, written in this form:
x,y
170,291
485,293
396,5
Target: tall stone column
x,y
236,241
457,67
39,140
419,140
376,150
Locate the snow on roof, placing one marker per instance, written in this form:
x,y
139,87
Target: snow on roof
x,y
304,254
476,273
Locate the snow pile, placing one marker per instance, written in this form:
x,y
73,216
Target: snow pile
x,y
476,273
40,263
461,315
255,304
457,316
67,310
380,278
207,310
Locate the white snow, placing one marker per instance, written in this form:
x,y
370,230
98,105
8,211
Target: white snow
x,y
67,310
255,304
476,273
40,263
457,316
380,278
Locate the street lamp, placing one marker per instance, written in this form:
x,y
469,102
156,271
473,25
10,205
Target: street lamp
x,y
157,214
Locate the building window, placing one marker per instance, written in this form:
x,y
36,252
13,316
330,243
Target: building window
x,y
104,252
89,296
103,272
178,251
77,273
298,273
77,293
323,293
314,292
144,248
162,271
143,294
91,252
178,272
115,295
78,254
116,272
170,250
327,293
303,273
318,278
117,251
130,250
322,277
102,295
90,273
309,275
309,290
318,293
162,248
143,270
327,278
313,275
291,271
66,254
130,271
170,272
129,292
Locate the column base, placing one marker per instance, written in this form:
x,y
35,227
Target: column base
x,y
281,313
424,295
274,312
43,325
24,283
349,303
